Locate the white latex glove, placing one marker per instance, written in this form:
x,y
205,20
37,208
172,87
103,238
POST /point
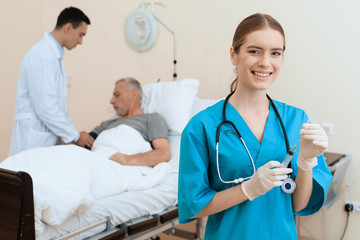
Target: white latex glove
x,y
313,142
266,177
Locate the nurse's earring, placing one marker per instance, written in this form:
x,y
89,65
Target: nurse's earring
x,y
288,185
235,71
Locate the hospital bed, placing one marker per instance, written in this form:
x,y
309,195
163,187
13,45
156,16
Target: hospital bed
x,y
128,215
123,216
17,213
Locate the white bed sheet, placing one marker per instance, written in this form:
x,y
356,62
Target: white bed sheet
x,y
125,206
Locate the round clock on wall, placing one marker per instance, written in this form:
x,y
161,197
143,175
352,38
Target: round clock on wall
x,y
140,30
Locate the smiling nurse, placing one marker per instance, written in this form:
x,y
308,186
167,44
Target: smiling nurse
x,y
231,153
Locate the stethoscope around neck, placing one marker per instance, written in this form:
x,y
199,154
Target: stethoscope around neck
x,y
224,121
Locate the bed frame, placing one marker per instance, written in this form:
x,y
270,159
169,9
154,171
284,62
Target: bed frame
x,y
16,206
17,216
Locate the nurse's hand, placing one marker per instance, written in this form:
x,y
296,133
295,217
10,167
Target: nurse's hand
x,y
313,143
266,177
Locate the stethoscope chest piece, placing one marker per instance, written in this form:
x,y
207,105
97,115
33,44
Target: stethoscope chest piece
x,y
288,186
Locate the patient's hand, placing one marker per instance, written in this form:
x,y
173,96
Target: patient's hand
x,y
123,159
85,140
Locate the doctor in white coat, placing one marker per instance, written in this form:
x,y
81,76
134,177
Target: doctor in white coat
x,y
41,118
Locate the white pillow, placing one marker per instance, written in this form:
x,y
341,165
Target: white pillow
x,y
172,100
201,104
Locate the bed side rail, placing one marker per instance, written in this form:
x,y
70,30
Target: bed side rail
x,y
16,206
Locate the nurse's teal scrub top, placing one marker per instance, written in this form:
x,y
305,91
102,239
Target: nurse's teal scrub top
x,y
269,216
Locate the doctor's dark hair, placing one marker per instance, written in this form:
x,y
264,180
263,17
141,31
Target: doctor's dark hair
x,y
132,84
71,15
251,24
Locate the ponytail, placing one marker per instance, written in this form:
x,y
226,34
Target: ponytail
x,y
233,85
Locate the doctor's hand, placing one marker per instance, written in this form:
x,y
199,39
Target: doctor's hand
x,y
313,142
85,140
266,177
123,159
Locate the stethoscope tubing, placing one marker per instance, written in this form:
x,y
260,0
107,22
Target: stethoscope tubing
x,y
224,121
238,180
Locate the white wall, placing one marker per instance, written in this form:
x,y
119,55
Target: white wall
x,y
320,71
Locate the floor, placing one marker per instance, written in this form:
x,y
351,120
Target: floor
x,y
191,227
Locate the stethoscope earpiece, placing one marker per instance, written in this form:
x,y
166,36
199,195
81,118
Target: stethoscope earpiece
x,y
239,180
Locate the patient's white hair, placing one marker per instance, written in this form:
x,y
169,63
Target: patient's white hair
x,y
132,84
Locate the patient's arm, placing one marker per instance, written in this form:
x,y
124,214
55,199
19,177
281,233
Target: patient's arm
x,y
161,153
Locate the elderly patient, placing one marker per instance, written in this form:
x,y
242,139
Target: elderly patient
x,y
126,101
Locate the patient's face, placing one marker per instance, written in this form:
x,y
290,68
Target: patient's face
x,y
121,99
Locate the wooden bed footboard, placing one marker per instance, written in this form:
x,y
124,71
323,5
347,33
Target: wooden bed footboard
x,y
16,206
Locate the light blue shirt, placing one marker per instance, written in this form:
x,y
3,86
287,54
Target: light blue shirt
x,y
269,216
61,50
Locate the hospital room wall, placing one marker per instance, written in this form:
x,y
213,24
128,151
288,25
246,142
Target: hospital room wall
x,y
22,25
319,74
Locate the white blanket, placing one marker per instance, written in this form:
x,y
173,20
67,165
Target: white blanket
x,y
67,179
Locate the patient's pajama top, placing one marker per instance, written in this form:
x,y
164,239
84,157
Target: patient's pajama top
x,y
269,216
149,125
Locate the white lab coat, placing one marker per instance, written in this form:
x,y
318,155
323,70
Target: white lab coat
x,y
42,100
